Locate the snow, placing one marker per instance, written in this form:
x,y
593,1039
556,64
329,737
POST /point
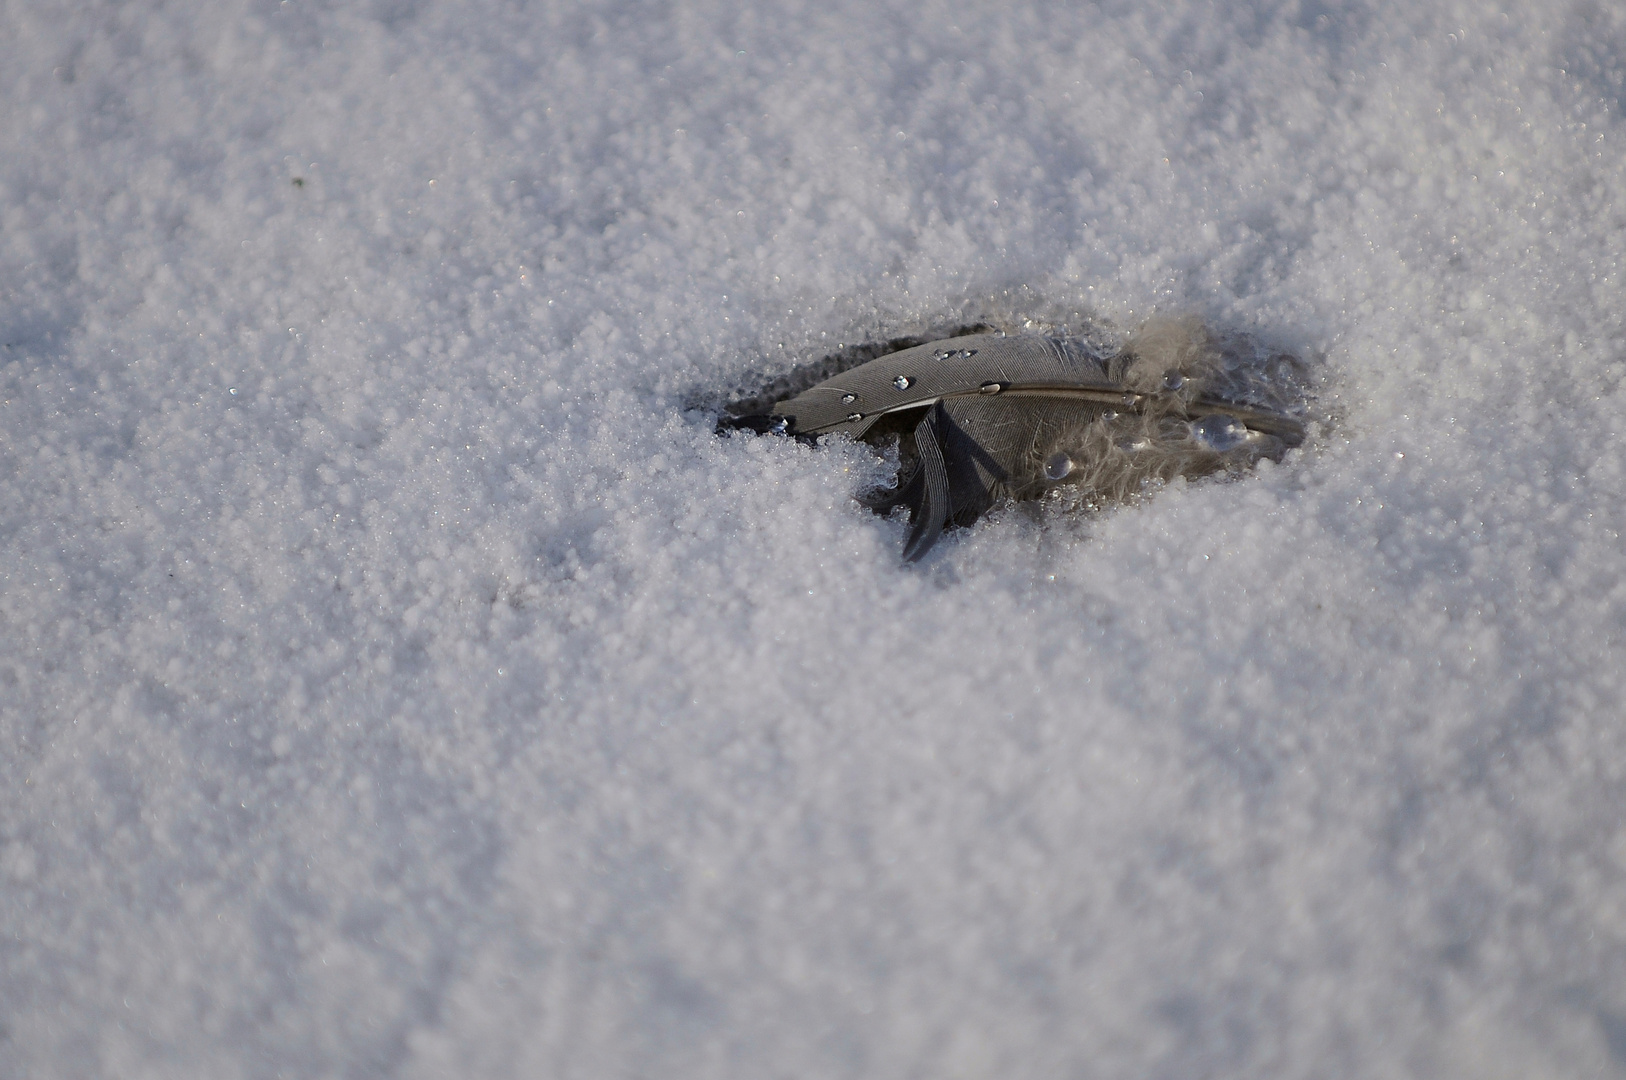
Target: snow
x,y
399,678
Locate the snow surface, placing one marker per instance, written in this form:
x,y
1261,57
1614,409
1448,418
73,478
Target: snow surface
x,y
399,678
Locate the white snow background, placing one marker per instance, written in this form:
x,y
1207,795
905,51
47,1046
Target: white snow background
x,y
398,678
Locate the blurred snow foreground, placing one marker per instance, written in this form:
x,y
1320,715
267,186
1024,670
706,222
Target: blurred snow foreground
x,y
397,679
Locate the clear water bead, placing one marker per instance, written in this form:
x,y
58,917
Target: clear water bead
x,y
1133,444
779,425
1173,381
1109,415
848,399
991,387
853,418
1219,432
903,382
1057,466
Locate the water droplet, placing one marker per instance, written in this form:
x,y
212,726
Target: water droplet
x,y
848,399
1129,401
1109,415
1057,466
232,391
903,382
991,387
1133,444
779,425
966,354
1219,432
853,418
1173,381
941,354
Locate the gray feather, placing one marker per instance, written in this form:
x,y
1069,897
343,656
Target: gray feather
x,y
986,417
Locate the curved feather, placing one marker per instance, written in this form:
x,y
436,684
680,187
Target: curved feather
x,y
988,416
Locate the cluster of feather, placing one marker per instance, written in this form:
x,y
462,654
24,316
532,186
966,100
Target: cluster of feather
x,y
986,417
